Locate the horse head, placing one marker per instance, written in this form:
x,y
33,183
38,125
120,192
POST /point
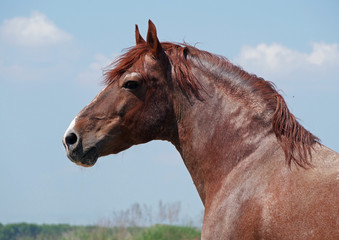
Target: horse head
x,y
133,108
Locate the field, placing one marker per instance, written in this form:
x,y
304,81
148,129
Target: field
x,y
25,231
139,222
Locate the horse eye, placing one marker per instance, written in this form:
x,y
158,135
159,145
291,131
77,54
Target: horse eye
x,y
131,85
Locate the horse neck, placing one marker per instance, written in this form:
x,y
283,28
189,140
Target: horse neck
x,y
217,133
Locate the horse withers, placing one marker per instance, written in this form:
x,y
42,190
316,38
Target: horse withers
x,y
259,173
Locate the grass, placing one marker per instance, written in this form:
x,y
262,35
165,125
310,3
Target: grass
x,y
138,222
25,231
167,232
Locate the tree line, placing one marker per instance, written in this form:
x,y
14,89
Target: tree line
x,y
33,231
138,222
26,231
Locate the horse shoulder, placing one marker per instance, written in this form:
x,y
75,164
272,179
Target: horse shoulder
x,y
268,200
235,212
305,202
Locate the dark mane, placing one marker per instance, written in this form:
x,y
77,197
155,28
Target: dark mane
x,y
294,139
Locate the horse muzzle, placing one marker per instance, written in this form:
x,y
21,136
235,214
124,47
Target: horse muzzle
x,y
75,151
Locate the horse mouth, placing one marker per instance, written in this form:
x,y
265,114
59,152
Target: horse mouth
x,y
88,159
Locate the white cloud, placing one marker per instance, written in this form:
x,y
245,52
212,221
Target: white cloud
x,y
36,30
275,58
324,54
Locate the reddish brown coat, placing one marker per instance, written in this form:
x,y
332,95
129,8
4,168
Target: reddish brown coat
x,y
259,173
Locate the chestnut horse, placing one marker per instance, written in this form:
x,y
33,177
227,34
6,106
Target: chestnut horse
x,y
259,173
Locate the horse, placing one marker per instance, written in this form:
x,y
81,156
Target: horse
x,y
259,173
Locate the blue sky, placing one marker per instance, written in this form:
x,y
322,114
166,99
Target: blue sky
x,y
51,58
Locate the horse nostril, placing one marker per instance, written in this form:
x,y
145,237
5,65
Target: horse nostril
x,y
71,138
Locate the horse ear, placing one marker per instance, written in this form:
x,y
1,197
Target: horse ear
x,y
153,41
138,37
